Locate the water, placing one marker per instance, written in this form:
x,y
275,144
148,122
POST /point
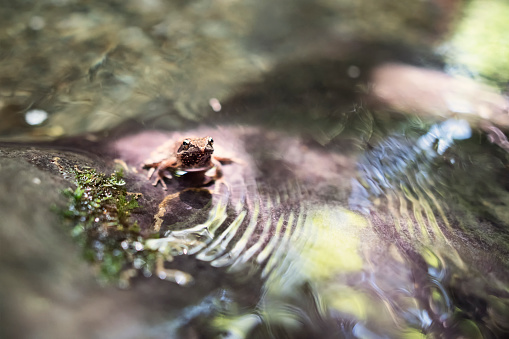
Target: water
x,y
366,198
404,240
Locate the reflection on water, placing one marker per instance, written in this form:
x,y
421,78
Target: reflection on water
x,y
407,259
423,194
357,225
443,135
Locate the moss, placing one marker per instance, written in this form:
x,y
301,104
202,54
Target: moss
x,y
99,212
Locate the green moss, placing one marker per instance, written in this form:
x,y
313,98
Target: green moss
x,y
99,212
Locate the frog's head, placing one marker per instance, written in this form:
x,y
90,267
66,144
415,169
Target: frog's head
x,y
195,152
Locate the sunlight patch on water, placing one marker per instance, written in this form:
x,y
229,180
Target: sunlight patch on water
x,y
335,242
36,117
481,43
444,134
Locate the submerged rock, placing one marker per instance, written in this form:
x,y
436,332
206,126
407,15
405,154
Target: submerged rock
x,y
266,246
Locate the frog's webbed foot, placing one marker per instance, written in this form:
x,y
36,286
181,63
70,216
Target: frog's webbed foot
x,y
160,176
160,169
160,179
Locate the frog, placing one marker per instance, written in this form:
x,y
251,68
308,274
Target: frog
x,y
186,156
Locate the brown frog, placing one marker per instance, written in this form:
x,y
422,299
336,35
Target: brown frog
x,y
190,155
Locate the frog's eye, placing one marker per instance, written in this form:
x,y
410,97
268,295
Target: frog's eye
x,y
210,140
185,145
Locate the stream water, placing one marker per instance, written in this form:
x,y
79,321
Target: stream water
x,y
365,198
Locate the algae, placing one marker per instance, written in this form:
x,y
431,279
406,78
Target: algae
x,y
99,211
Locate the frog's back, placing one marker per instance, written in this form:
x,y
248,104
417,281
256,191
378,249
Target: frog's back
x,y
165,151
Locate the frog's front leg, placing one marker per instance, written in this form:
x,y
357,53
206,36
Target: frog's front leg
x,y
160,172
219,168
218,171
217,162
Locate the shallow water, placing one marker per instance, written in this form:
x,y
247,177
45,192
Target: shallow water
x,y
366,198
408,255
